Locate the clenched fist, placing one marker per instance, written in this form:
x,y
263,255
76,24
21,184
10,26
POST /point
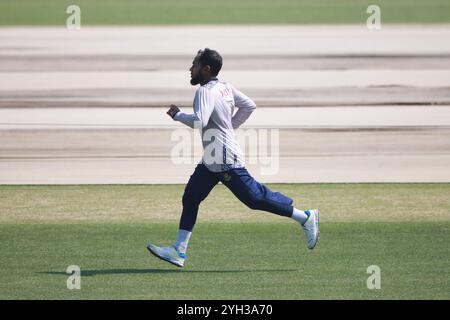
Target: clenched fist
x,y
173,110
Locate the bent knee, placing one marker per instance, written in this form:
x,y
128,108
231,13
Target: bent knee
x,y
191,199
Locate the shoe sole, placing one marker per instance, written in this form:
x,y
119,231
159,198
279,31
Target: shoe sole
x,y
318,231
159,257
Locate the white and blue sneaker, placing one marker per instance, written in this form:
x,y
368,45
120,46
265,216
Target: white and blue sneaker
x,y
169,254
311,228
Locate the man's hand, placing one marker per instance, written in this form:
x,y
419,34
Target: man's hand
x,y
173,110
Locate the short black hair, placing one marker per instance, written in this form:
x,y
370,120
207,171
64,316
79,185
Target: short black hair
x,y
211,58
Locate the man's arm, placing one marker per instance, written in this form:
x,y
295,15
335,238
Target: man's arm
x,y
187,119
245,107
203,108
175,113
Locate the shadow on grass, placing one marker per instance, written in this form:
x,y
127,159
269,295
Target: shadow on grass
x,y
95,272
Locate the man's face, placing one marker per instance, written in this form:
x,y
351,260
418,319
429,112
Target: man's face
x,y
196,72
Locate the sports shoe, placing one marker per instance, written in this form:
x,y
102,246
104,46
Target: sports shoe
x,y
169,254
311,228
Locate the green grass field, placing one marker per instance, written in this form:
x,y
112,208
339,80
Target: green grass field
x,y
172,12
234,253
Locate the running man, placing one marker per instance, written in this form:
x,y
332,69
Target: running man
x,y
222,158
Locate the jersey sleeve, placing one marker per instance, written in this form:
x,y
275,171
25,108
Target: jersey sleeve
x,y
203,108
245,107
185,118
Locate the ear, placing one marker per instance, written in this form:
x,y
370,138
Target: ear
x,y
206,68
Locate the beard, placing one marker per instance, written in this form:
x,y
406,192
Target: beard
x,y
196,79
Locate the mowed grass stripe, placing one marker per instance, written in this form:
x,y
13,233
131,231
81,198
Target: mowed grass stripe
x,y
172,12
226,261
162,203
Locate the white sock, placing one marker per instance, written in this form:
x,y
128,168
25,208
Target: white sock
x,y
299,215
182,240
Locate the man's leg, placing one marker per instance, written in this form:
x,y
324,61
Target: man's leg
x,y
256,195
259,197
200,184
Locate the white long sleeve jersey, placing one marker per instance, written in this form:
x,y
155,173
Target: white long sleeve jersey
x,y
214,115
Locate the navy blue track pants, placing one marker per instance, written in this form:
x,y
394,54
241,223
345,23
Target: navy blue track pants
x,y
252,193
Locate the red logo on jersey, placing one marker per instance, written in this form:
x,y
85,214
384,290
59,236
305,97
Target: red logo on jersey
x,y
224,92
